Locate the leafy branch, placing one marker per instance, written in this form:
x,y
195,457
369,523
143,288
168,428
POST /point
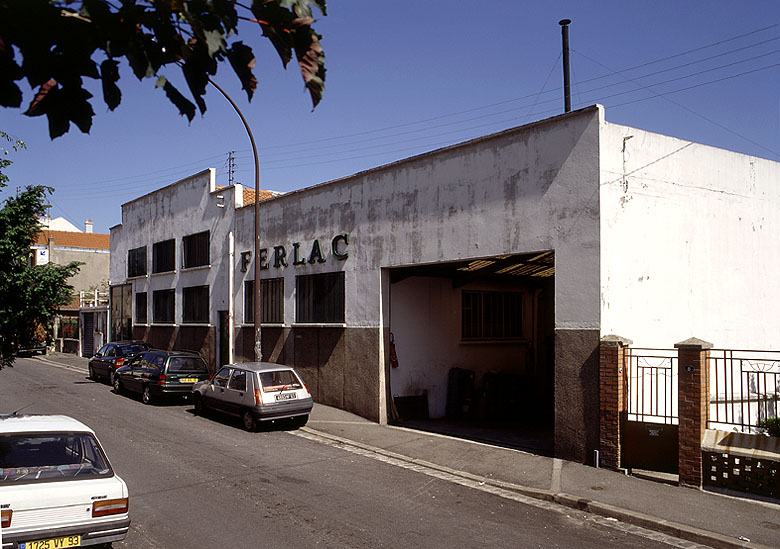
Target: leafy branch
x,y
56,44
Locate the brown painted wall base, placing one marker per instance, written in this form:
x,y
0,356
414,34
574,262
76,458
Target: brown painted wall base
x,y
339,365
202,339
576,394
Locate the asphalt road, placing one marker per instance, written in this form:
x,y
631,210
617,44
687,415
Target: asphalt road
x,y
203,482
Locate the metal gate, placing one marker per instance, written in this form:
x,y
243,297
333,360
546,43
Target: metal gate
x,y
649,426
87,335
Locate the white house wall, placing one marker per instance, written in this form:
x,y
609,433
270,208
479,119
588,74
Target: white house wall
x,y
689,242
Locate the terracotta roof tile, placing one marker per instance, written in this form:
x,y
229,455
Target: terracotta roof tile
x,y
249,196
97,241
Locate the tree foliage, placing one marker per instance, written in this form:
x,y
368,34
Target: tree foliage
x,y
56,44
29,294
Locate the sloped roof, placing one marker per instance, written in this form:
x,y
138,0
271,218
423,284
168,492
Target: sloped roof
x,y
249,196
69,239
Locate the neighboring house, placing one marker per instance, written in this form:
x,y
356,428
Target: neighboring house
x,y
92,249
487,271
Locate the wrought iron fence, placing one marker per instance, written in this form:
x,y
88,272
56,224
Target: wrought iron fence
x,y
652,385
744,388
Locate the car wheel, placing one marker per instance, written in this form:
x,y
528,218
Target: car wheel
x,y
197,401
90,373
300,421
146,395
248,420
117,385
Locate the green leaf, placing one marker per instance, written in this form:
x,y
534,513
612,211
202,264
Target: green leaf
x,y
109,75
243,62
185,106
311,61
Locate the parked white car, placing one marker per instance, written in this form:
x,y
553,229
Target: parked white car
x,y
57,488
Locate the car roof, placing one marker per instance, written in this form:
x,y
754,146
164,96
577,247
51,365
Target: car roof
x,y
41,423
260,366
173,353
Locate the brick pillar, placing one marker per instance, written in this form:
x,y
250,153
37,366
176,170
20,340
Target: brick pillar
x,y
612,392
693,392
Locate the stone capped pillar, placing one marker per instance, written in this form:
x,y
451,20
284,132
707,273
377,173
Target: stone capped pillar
x,y
693,390
612,397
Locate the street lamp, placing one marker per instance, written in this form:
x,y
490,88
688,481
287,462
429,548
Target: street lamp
x,y
257,292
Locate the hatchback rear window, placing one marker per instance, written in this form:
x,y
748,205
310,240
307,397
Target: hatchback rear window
x,y
187,364
281,380
28,458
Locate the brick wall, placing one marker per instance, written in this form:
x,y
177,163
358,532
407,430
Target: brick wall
x,y
612,397
693,407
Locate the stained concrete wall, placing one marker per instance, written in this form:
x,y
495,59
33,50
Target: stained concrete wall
x,y
95,271
689,242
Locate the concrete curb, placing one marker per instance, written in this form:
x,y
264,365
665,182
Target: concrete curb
x,y
635,518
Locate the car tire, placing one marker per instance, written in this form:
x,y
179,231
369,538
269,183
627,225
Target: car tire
x,y
300,421
248,421
146,395
117,384
90,372
197,401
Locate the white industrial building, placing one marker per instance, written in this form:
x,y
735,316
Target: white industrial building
x,y
496,264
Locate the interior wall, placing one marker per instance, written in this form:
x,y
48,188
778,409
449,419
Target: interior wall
x,y
425,320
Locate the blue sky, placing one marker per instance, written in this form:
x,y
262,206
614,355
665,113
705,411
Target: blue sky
x,y
405,77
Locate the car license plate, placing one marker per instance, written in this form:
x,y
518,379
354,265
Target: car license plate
x,y
188,379
286,396
53,543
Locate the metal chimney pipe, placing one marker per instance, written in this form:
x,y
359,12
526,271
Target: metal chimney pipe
x,y
564,23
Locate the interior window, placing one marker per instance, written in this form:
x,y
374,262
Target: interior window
x,y
221,379
238,381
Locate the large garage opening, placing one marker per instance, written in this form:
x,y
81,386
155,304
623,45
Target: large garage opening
x,y
472,347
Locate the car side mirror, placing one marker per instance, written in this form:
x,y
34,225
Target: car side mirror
x,y
98,355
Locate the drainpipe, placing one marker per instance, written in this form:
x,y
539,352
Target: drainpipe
x,y
231,294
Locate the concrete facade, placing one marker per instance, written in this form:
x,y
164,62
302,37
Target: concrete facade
x,y
544,188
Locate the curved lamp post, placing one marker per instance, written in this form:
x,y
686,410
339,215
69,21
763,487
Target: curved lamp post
x,y
257,293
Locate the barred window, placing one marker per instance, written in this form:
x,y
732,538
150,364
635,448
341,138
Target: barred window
x,y
272,300
196,249
491,315
136,262
164,256
164,306
319,298
140,308
196,304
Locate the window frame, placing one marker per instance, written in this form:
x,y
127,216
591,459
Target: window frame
x,y
192,256
491,315
157,251
317,308
155,317
136,318
135,266
197,312
272,301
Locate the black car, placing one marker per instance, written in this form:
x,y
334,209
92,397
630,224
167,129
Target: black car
x,y
112,356
156,374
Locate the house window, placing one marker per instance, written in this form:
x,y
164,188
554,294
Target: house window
x,y
319,298
140,308
196,249
196,304
272,300
164,306
136,262
164,256
492,315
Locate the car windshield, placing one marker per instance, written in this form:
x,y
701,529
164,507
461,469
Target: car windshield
x,y
187,364
27,458
279,381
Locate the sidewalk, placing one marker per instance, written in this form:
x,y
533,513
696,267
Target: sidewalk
x,y
702,517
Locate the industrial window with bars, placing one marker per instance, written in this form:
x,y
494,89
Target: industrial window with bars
x,y
272,301
491,315
319,298
164,306
196,250
136,262
140,308
164,256
195,305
